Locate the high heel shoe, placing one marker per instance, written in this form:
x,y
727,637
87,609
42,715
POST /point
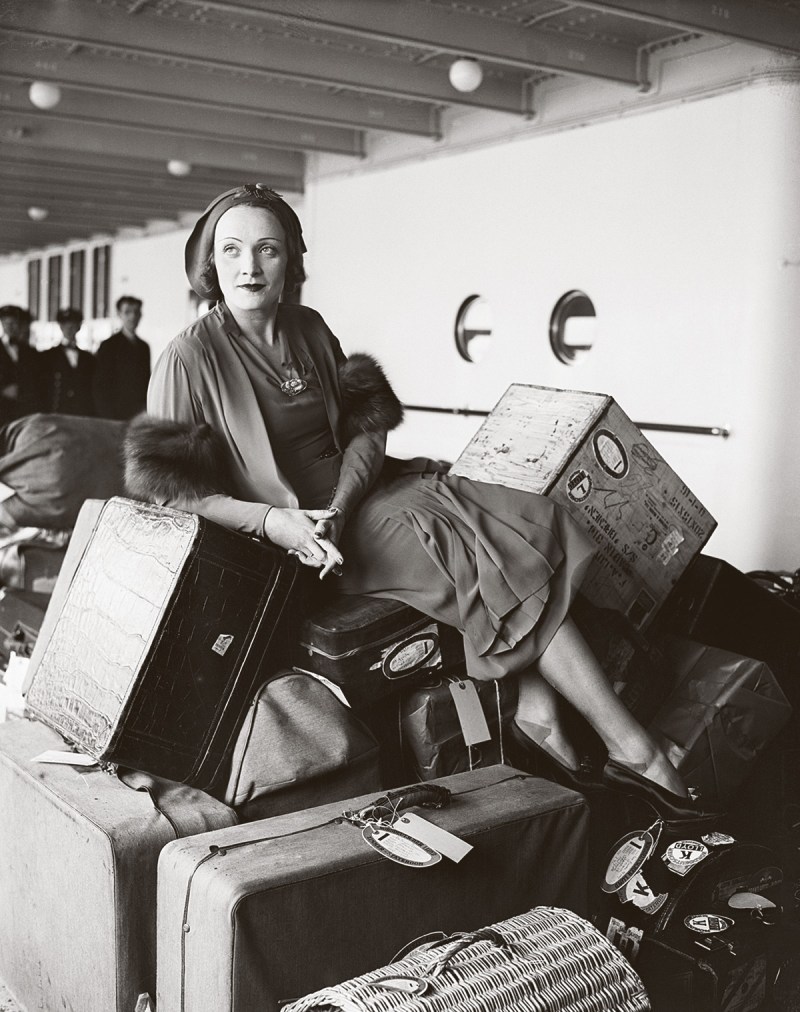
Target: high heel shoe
x,y
544,763
672,808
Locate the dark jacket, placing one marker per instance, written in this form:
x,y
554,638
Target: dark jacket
x,y
66,390
25,375
121,376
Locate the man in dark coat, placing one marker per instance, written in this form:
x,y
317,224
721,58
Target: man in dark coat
x,y
122,366
66,370
19,379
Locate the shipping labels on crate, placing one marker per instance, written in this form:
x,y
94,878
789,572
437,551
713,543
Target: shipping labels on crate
x,y
581,450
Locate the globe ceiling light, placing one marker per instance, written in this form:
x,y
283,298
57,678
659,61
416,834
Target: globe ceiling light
x,y
37,213
44,94
178,167
466,74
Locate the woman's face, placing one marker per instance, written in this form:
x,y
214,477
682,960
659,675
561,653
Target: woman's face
x,y
250,256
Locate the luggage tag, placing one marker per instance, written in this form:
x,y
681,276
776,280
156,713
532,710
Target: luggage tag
x,y
378,832
638,892
630,854
398,847
66,758
469,711
684,855
419,829
708,924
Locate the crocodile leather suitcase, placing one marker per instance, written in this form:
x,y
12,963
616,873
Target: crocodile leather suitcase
x,y
371,647
78,876
268,911
167,627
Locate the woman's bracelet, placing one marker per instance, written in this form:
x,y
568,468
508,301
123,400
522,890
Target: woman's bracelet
x,y
264,521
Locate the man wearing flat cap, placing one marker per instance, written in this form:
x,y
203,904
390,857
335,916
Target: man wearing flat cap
x,y
19,372
66,371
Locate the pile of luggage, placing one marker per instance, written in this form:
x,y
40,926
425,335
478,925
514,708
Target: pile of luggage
x,y
254,844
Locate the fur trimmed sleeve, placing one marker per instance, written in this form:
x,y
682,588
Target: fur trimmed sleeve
x,y
167,461
368,402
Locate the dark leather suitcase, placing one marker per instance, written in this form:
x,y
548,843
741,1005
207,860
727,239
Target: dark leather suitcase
x,y
686,873
268,911
715,603
370,646
680,974
167,627
21,615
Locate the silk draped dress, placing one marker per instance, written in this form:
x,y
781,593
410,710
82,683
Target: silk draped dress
x,y
499,564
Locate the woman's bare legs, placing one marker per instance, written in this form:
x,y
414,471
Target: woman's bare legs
x,y
539,717
570,667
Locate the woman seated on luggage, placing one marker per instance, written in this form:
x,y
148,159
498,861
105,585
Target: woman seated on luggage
x,y
292,450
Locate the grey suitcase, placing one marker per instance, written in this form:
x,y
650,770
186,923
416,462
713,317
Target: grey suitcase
x,y
265,912
78,876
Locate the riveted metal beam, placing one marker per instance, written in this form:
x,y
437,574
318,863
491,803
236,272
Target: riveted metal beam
x,y
452,30
776,26
185,119
156,36
107,71
36,130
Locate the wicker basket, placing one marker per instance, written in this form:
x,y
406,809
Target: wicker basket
x,y
547,960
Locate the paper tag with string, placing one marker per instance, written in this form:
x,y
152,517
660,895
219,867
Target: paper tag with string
x,y
446,843
470,712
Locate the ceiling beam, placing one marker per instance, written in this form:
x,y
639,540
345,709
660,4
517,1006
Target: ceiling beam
x,y
449,30
71,217
73,199
759,23
37,131
38,180
184,119
154,35
135,170
28,57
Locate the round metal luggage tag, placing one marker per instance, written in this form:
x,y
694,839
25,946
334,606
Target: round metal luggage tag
x,y
400,848
708,924
630,854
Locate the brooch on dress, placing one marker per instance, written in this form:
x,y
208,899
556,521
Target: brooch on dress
x,y
294,386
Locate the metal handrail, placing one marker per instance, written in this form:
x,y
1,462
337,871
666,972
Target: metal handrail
x,y
696,430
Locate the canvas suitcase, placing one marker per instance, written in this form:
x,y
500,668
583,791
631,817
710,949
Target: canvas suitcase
x,y
545,960
435,740
78,876
370,646
167,627
267,912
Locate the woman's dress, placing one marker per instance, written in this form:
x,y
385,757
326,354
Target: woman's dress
x,y
499,564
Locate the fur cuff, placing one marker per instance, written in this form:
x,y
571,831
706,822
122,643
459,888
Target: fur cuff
x,y
368,402
168,461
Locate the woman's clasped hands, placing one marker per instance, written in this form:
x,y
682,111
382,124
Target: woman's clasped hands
x,y
304,533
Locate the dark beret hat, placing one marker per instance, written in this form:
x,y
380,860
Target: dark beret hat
x,y
200,244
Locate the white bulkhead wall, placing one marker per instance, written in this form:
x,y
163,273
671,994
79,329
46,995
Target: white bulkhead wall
x,y
683,227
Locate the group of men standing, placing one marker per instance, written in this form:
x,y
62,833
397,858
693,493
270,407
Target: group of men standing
x,y
65,379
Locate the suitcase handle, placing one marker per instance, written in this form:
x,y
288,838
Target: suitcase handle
x,y
389,804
